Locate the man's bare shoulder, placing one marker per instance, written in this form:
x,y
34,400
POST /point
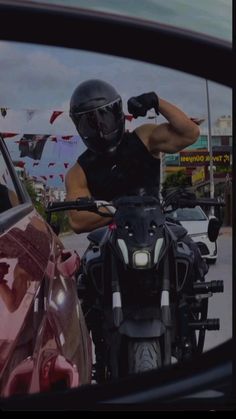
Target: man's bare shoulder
x,y
75,175
144,132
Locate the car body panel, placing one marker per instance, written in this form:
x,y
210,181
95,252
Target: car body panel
x,y
43,337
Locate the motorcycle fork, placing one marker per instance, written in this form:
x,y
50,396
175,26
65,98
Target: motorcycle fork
x,y
165,311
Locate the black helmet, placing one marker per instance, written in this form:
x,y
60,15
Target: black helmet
x,y
96,110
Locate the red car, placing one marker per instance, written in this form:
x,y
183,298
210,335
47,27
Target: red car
x,y
44,342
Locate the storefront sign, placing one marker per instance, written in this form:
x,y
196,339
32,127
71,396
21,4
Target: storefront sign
x,y
202,158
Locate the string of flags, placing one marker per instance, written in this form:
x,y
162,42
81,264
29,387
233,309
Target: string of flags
x,y
53,115
32,145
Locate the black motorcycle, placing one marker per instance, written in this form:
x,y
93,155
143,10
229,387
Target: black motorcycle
x,y
143,292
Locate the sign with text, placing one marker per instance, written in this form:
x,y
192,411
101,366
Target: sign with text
x,y
196,158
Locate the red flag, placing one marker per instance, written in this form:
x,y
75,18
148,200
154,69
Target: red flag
x,y
67,137
62,177
129,117
51,164
8,134
54,115
66,165
54,139
19,164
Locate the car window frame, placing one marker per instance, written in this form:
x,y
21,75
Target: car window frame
x,y
13,215
200,65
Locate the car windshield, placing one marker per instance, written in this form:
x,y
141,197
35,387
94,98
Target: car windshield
x,y
213,18
188,214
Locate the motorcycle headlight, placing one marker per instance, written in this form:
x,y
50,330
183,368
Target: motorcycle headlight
x,y
141,259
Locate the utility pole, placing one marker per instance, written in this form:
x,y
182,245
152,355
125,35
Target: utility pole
x,y
212,188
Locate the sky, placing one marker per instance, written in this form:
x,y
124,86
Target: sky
x,y
43,78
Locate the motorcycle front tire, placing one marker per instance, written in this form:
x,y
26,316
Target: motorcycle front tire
x,y
144,355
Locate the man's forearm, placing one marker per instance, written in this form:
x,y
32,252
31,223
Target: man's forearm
x,y
85,221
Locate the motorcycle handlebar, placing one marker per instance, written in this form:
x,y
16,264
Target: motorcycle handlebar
x,y
213,202
80,204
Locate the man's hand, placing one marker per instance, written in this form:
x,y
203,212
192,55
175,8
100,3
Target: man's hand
x,y
139,105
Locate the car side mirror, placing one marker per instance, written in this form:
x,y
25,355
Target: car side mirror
x,y
213,229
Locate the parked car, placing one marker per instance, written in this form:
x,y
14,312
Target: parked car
x,y
196,223
44,342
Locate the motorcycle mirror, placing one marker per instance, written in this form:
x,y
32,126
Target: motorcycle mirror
x,y
213,229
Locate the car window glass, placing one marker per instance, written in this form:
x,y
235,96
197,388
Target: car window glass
x,y
44,143
188,214
8,194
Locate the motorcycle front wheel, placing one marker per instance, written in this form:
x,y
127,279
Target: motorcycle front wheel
x,y
144,355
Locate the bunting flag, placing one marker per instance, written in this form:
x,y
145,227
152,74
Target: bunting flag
x,y
4,112
29,114
32,146
62,177
35,164
8,134
67,137
54,116
129,118
66,165
51,164
20,164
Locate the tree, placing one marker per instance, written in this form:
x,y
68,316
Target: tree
x,y
176,179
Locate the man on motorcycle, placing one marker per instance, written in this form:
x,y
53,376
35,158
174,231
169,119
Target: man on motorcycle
x,y
118,163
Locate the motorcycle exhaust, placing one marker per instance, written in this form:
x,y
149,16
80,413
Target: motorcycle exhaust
x,y
209,324
205,287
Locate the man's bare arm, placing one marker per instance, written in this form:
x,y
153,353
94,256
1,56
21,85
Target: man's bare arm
x,y
171,137
76,187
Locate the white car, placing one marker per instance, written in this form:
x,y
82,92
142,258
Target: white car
x,y
195,221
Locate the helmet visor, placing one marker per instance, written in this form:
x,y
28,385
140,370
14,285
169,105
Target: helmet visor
x,y
101,121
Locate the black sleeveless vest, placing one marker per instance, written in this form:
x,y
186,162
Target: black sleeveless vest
x,y
131,171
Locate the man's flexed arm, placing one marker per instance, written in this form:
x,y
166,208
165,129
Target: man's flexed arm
x,y
179,132
76,186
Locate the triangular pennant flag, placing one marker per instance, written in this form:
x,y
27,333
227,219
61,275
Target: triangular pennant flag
x,y
66,165
19,164
35,164
51,176
4,112
67,137
44,177
54,115
51,164
8,134
29,114
62,177
54,139
129,117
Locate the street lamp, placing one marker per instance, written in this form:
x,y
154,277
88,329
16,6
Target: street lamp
x,y
212,189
